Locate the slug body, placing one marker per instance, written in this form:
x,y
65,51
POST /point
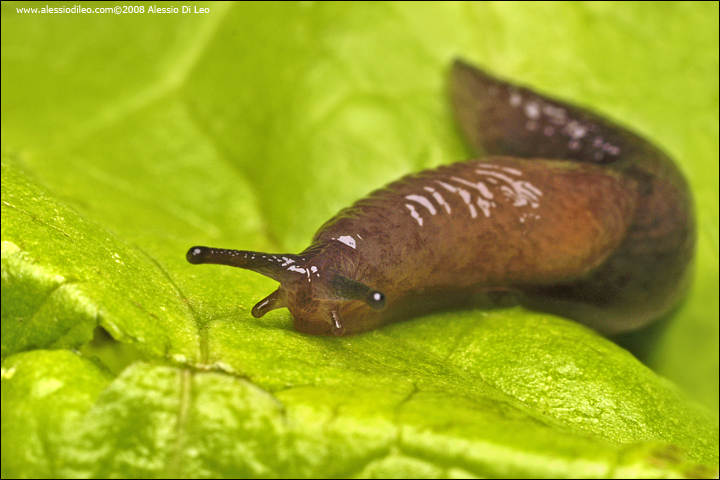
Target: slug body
x,y
568,214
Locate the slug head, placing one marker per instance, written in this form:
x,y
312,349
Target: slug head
x,y
320,298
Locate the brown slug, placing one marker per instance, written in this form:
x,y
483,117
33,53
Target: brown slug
x,y
568,214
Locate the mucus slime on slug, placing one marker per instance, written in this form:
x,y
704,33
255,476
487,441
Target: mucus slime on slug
x,y
566,213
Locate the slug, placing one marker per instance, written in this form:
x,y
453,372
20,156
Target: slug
x,y
567,213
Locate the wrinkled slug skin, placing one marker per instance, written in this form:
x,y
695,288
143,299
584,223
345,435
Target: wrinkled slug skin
x,y
568,213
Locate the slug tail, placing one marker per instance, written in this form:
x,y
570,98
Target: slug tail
x,y
645,276
499,118
272,266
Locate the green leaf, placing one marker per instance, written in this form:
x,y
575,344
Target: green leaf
x,y
129,138
44,397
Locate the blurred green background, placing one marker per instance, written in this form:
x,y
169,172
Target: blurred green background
x,y
128,138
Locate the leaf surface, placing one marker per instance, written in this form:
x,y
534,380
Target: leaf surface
x,y
250,126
